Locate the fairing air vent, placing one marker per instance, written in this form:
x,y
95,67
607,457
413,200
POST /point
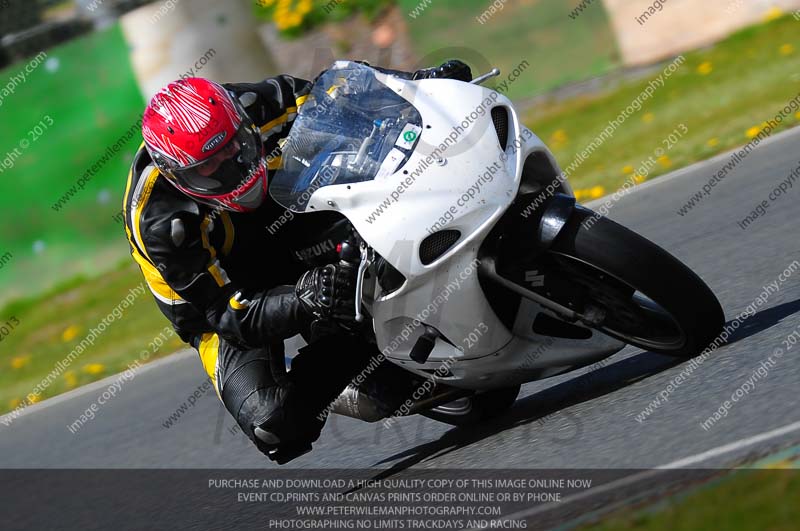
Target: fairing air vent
x,y
437,244
500,121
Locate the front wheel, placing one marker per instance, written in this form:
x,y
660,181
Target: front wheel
x,y
633,289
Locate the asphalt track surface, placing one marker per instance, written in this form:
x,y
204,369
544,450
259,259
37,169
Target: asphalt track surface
x,y
574,421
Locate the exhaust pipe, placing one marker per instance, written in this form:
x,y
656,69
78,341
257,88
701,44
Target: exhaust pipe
x,y
352,403
355,404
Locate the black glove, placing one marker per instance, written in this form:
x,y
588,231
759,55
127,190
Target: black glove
x,y
453,69
328,292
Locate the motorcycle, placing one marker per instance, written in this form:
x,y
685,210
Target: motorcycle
x,y
477,270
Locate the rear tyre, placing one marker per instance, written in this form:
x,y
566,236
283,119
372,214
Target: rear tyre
x,y
475,408
647,296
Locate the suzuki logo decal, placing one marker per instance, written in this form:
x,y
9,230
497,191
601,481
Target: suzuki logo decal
x,y
536,280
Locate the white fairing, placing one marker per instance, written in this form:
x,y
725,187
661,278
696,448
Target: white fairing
x,y
458,178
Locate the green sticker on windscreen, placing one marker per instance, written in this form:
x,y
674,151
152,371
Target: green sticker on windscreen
x,y
408,136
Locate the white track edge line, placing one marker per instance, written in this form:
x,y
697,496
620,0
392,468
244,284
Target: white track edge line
x,y
680,463
94,386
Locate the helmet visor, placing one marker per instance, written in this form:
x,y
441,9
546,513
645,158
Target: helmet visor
x,y
230,168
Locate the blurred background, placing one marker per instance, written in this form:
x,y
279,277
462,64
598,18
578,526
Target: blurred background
x,y
75,76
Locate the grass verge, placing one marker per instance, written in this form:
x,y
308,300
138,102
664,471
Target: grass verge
x,y
558,49
50,326
742,501
723,95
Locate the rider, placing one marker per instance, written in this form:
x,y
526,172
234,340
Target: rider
x,y
196,207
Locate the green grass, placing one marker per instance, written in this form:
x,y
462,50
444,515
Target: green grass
x,y
559,49
744,501
51,325
750,80
89,91
321,11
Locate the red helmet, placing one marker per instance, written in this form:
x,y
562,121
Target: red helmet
x,y
203,142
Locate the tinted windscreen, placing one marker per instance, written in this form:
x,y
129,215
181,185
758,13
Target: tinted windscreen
x,y
351,128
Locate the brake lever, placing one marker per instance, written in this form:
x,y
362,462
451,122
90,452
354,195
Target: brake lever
x,y
366,261
494,72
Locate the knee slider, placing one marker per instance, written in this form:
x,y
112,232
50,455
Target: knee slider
x,y
251,395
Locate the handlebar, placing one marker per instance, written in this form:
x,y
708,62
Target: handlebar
x,y
355,251
494,72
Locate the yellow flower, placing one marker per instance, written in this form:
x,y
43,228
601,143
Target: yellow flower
x,y
266,3
597,191
32,399
281,12
772,14
638,179
665,161
647,118
70,333
786,49
294,20
580,194
304,7
753,131
797,115
705,68
14,403
19,362
627,170
559,137
713,142
94,368
71,379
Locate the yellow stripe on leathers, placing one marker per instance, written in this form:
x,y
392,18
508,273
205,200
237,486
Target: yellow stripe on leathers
x,y
141,203
279,120
213,268
229,233
151,274
209,353
285,116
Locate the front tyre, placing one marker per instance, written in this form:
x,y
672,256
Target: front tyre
x,y
638,292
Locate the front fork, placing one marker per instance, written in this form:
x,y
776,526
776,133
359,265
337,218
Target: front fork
x,y
545,224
